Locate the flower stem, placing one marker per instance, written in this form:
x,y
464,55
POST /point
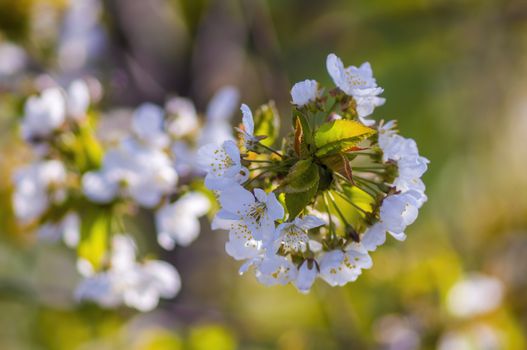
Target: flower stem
x,y
341,195
271,150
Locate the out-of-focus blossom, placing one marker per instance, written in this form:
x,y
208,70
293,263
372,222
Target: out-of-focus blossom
x,y
220,110
82,37
394,332
476,337
12,59
148,123
78,99
68,229
43,114
178,222
36,187
132,170
128,282
475,295
183,118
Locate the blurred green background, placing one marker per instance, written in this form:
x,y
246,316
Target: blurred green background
x,y
455,76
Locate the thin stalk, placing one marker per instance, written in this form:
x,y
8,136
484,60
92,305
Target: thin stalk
x,y
352,204
338,209
271,150
331,225
255,178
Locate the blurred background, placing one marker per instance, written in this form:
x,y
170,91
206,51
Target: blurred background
x,y
455,76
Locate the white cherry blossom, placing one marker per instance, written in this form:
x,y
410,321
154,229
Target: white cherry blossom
x,y
358,83
259,211
304,92
293,235
396,213
339,267
307,273
222,165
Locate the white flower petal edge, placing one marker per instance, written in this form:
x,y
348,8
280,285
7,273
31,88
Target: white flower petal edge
x,y
304,92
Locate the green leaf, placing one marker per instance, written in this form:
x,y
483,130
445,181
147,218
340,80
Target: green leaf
x,y
267,123
296,202
338,135
302,176
95,230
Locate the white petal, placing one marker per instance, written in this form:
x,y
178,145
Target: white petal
x,y
247,119
306,277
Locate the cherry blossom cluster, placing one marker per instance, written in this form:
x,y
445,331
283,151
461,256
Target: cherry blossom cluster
x,y
85,190
315,203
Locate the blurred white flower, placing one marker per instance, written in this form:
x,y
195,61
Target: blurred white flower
x,y
68,229
137,285
142,173
36,187
304,92
148,123
477,337
475,295
183,118
12,59
220,110
178,222
78,99
43,114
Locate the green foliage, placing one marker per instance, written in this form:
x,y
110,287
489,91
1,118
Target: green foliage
x,y
267,123
339,135
95,232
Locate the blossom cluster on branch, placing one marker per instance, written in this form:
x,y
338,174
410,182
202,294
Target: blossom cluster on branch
x,y
315,203
85,191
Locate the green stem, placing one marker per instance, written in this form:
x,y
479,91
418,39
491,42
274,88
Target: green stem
x,y
271,150
341,195
338,209
255,178
331,227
